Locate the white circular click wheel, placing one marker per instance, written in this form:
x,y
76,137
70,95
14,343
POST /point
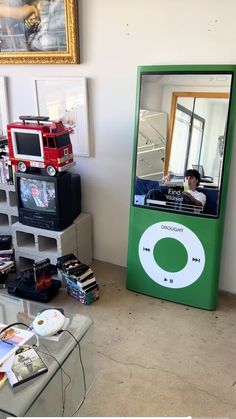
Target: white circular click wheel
x,y
192,269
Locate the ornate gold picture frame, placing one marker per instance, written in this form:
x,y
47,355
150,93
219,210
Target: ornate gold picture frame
x,y
39,32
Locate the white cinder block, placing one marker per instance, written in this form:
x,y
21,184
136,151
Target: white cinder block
x,y
31,243
34,244
6,220
8,199
5,227
32,239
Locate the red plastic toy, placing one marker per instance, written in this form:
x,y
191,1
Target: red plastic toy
x,y
36,142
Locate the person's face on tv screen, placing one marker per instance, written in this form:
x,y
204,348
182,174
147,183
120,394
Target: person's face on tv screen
x,y
35,191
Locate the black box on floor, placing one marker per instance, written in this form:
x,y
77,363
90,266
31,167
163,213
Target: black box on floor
x,y
19,289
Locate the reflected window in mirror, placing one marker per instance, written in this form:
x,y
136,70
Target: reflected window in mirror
x,y
188,135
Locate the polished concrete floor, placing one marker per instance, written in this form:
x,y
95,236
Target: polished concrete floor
x,y
157,358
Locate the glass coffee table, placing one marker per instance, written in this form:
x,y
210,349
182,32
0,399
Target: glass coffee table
x,y
60,391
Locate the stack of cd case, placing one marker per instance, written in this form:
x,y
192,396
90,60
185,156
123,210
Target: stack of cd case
x,y
80,279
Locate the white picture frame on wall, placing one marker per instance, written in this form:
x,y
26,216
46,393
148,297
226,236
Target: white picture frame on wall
x,y
65,98
4,108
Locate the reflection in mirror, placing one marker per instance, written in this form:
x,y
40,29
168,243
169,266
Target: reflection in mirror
x,y
182,125
151,144
198,123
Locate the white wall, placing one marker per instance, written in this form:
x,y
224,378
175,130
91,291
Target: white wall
x,y
115,37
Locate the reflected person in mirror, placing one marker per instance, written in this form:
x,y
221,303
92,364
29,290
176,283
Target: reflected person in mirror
x,y
192,180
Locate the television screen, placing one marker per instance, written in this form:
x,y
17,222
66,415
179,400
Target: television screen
x,y
27,143
47,202
37,195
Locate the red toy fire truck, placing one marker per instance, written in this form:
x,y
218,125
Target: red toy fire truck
x,y
36,142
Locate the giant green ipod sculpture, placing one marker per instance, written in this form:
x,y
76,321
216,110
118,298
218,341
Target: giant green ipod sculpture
x,y
185,117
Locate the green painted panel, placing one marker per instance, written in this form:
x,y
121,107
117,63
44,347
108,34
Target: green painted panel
x,y
175,254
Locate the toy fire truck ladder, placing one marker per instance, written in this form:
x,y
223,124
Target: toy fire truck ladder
x,y
33,118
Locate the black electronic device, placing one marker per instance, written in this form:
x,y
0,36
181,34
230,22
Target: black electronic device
x,y
28,276
47,202
20,289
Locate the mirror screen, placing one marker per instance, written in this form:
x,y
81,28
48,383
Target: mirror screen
x,y
181,132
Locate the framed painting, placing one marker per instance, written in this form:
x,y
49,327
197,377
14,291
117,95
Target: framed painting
x,y
39,32
66,99
4,110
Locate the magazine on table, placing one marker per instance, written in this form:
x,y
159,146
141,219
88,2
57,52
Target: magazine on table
x,y
11,339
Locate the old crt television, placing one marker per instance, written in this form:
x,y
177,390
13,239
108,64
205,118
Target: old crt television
x,y
48,202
